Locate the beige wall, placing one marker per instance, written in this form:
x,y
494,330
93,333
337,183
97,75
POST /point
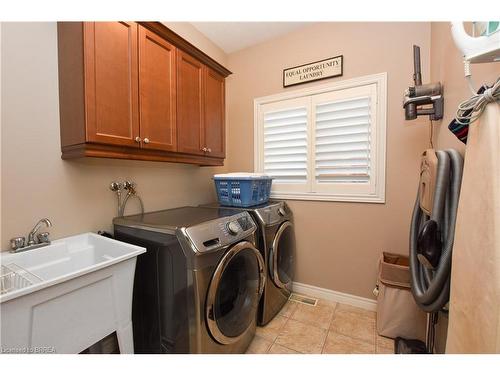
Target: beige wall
x,y
196,38
447,67
339,243
36,183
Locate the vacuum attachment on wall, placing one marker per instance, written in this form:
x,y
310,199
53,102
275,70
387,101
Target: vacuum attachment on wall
x,y
432,233
430,95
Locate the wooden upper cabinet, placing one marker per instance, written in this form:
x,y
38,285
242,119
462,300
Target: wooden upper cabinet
x,y
138,91
200,108
157,92
190,135
111,82
214,121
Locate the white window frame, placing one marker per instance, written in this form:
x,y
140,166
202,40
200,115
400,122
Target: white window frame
x,y
378,141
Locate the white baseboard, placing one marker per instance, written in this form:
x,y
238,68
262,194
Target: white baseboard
x,y
332,295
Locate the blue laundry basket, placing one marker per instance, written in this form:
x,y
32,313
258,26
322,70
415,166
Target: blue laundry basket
x,y
242,191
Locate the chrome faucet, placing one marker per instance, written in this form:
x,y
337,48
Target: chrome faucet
x,y
42,239
41,236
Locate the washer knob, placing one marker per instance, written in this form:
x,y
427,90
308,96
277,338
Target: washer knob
x,y
281,211
233,227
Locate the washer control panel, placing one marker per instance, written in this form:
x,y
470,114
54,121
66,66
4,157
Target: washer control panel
x,y
273,214
215,234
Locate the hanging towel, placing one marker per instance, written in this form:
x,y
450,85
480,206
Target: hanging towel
x,y
474,320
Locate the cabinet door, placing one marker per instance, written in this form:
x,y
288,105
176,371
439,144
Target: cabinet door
x,y
111,82
157,91
214,106
190,137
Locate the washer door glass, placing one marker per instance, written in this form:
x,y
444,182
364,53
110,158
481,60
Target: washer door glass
x,y
234,293
283,254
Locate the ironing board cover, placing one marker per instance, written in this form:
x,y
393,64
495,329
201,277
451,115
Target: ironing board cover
x,y
474,320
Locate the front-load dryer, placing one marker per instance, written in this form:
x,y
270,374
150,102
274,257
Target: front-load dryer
x,y
197,287
276,240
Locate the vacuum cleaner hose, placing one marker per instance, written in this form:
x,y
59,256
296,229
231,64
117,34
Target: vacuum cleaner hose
x,y
430,286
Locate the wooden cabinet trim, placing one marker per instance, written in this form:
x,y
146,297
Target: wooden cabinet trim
x,y
71,82
89,73
121,152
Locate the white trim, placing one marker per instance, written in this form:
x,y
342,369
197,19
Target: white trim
x,y
332,295
327,197
380,80
313,90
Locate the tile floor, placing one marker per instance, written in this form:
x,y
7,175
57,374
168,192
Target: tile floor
x,y
328,328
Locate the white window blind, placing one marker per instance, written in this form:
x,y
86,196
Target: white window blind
x,y
324,144
285,145
343,141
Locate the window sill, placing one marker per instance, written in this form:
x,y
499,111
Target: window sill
x,y
328,197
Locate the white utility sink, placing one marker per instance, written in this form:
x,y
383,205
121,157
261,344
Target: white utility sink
x,y
66,296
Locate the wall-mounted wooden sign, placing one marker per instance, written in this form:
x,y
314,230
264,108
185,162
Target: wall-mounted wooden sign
x,y
328,68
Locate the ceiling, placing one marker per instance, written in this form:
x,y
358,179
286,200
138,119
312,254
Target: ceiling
x,y
233,36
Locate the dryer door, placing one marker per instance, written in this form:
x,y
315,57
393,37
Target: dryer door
x,y
282,256
234,293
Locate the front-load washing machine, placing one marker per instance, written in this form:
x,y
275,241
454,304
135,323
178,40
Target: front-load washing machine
x,y
276,240
197,287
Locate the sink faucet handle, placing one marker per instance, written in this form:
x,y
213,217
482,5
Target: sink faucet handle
x,y
43,237
17,243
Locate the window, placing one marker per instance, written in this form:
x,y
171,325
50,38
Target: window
x,y
326,142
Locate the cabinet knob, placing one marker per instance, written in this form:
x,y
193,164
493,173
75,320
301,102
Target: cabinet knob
x,y
204,149
146,140
138,139
209,149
